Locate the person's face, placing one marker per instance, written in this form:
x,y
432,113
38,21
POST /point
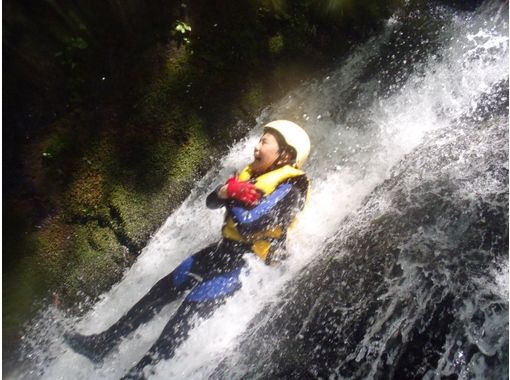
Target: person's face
x,y
265,154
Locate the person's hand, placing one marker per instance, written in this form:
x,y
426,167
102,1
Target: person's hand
x,y
242,191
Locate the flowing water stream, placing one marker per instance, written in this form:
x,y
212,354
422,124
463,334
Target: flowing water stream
x,y
399,264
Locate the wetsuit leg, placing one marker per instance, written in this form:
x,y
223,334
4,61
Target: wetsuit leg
x,y
175,332
219,271
166,290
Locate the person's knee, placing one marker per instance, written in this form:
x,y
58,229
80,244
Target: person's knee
x,y
216,288
180,276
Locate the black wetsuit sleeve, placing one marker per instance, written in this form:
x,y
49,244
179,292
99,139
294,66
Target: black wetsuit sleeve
x,y
213,201
278,208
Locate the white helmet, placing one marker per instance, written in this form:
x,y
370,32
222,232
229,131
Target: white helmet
x,y
294,136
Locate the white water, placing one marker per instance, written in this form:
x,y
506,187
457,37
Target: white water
x,y
353,152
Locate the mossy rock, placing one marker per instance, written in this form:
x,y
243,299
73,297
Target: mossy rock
x,y
253,98
54,242
69,261
276,44
167,90
85,197
131,217
44,161
38,273
21,286
96,261
191,153
143,197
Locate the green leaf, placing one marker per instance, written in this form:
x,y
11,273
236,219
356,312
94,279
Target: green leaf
x,y
182,27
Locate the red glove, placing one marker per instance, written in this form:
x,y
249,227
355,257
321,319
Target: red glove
x,y
244,192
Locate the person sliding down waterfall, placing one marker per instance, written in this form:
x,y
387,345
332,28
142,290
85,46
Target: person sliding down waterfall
x,y
261,202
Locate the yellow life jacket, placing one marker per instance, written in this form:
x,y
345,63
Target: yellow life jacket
x,y
267,183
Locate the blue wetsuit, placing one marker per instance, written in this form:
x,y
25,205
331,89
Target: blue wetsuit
x,y
211,275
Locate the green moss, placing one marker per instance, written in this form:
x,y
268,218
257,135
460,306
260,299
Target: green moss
x,y
44,160
84,199
95,262
53,241
177,64
276,44
141,209
68,263
190,154
129,207
37,274
22,285
167,89
252,99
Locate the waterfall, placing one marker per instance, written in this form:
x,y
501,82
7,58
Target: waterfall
x,y
404,240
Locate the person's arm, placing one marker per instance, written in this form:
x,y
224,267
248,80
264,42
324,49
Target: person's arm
x,y
237,191
217,198
278,208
